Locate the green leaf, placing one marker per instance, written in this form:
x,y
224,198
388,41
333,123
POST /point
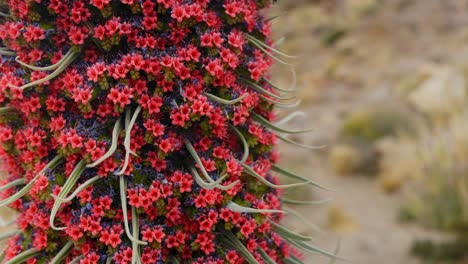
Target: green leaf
x,y
293,175
128,133
290,211
259,177
265,256
51,165
47,68
76,260
313,249
135,233
262,90
67,61
270,125
83,186
245,145
202,183
62,253
113,147
292,142
285,232
123,201
290,117
11,184
297,202
8,234
241,209
6,110
234,242
23,256
66,188
253,39
224,101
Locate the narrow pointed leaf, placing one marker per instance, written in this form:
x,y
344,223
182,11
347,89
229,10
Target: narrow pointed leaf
x,y
240,247
66,188
123,200
301,218
135,234
259,177
47,68
83,186
113,147
283,231
8,234
297,202
245,145
11,184
23,256
54,74
270,125
292,142
224,101
51,165
313,249
268,47
293,175
262,90
265,256
241,209
62,253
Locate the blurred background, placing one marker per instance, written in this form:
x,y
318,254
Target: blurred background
x,y
384,82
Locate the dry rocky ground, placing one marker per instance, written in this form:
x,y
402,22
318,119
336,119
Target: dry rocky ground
x,y
383,44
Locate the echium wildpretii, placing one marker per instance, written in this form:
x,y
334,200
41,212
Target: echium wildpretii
x,y
140,131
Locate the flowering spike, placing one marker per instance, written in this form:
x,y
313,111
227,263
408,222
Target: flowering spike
x,y
162,119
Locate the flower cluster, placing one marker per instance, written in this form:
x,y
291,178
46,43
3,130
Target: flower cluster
x,y
140,132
